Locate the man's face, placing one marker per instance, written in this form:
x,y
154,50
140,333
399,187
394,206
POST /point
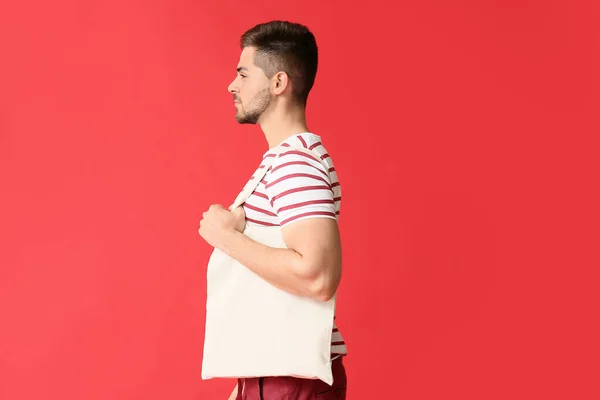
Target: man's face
x,y
250,89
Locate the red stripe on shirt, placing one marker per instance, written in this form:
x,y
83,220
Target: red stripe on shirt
x,y
324,156
308,214
302,189
261,195
260,210
290,176
260,222
287,164
302,141
305,203
299,153
315,145
338,343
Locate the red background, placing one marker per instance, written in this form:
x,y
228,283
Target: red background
x,y
463,133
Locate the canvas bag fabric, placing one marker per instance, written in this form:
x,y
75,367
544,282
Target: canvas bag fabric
x,y
254,329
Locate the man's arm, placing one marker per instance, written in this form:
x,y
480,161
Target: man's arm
x,y
299,186
311,266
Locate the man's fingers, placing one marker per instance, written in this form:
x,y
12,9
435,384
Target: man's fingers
x,y
239,211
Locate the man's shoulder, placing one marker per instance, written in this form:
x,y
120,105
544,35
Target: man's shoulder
x,y
301,147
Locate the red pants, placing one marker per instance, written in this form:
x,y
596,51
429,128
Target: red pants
x,y
288,388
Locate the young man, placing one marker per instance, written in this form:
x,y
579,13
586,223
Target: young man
x,y
299,194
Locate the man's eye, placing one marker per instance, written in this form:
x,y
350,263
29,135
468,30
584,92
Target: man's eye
x,y
243,76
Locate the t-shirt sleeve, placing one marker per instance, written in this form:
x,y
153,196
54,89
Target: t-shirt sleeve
x,y
299,188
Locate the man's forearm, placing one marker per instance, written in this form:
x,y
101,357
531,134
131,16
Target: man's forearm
x,y
283,268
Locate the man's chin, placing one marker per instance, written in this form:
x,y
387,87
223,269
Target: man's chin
x,y
244,120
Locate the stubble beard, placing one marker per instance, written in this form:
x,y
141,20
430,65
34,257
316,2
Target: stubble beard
x,y
256,107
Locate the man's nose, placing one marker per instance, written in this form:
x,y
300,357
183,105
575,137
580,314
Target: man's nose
x,y
232,88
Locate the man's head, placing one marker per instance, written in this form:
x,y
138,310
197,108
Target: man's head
x,y
279,59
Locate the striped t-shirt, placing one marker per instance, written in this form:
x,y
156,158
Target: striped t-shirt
x,y
298,186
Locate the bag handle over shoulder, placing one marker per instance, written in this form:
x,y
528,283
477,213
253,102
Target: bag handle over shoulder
x,y
260,174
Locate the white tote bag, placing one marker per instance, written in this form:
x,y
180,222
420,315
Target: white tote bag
x,y
254,329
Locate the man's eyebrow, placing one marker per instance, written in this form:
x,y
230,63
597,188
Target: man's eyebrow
x,y
242,69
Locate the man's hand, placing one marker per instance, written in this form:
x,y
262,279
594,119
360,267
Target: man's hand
x,y
240,217
218,222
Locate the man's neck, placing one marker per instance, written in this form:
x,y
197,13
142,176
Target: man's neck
x,y
281,124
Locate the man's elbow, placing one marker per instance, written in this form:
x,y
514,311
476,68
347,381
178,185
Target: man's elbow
x,y
324,295
324,286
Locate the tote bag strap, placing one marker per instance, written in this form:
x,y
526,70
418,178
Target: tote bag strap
x,y
260,174
252,183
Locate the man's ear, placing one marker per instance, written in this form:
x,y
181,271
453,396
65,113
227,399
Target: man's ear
x,y
280,82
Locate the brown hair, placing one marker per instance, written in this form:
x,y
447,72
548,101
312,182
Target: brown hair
x,y
288,47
